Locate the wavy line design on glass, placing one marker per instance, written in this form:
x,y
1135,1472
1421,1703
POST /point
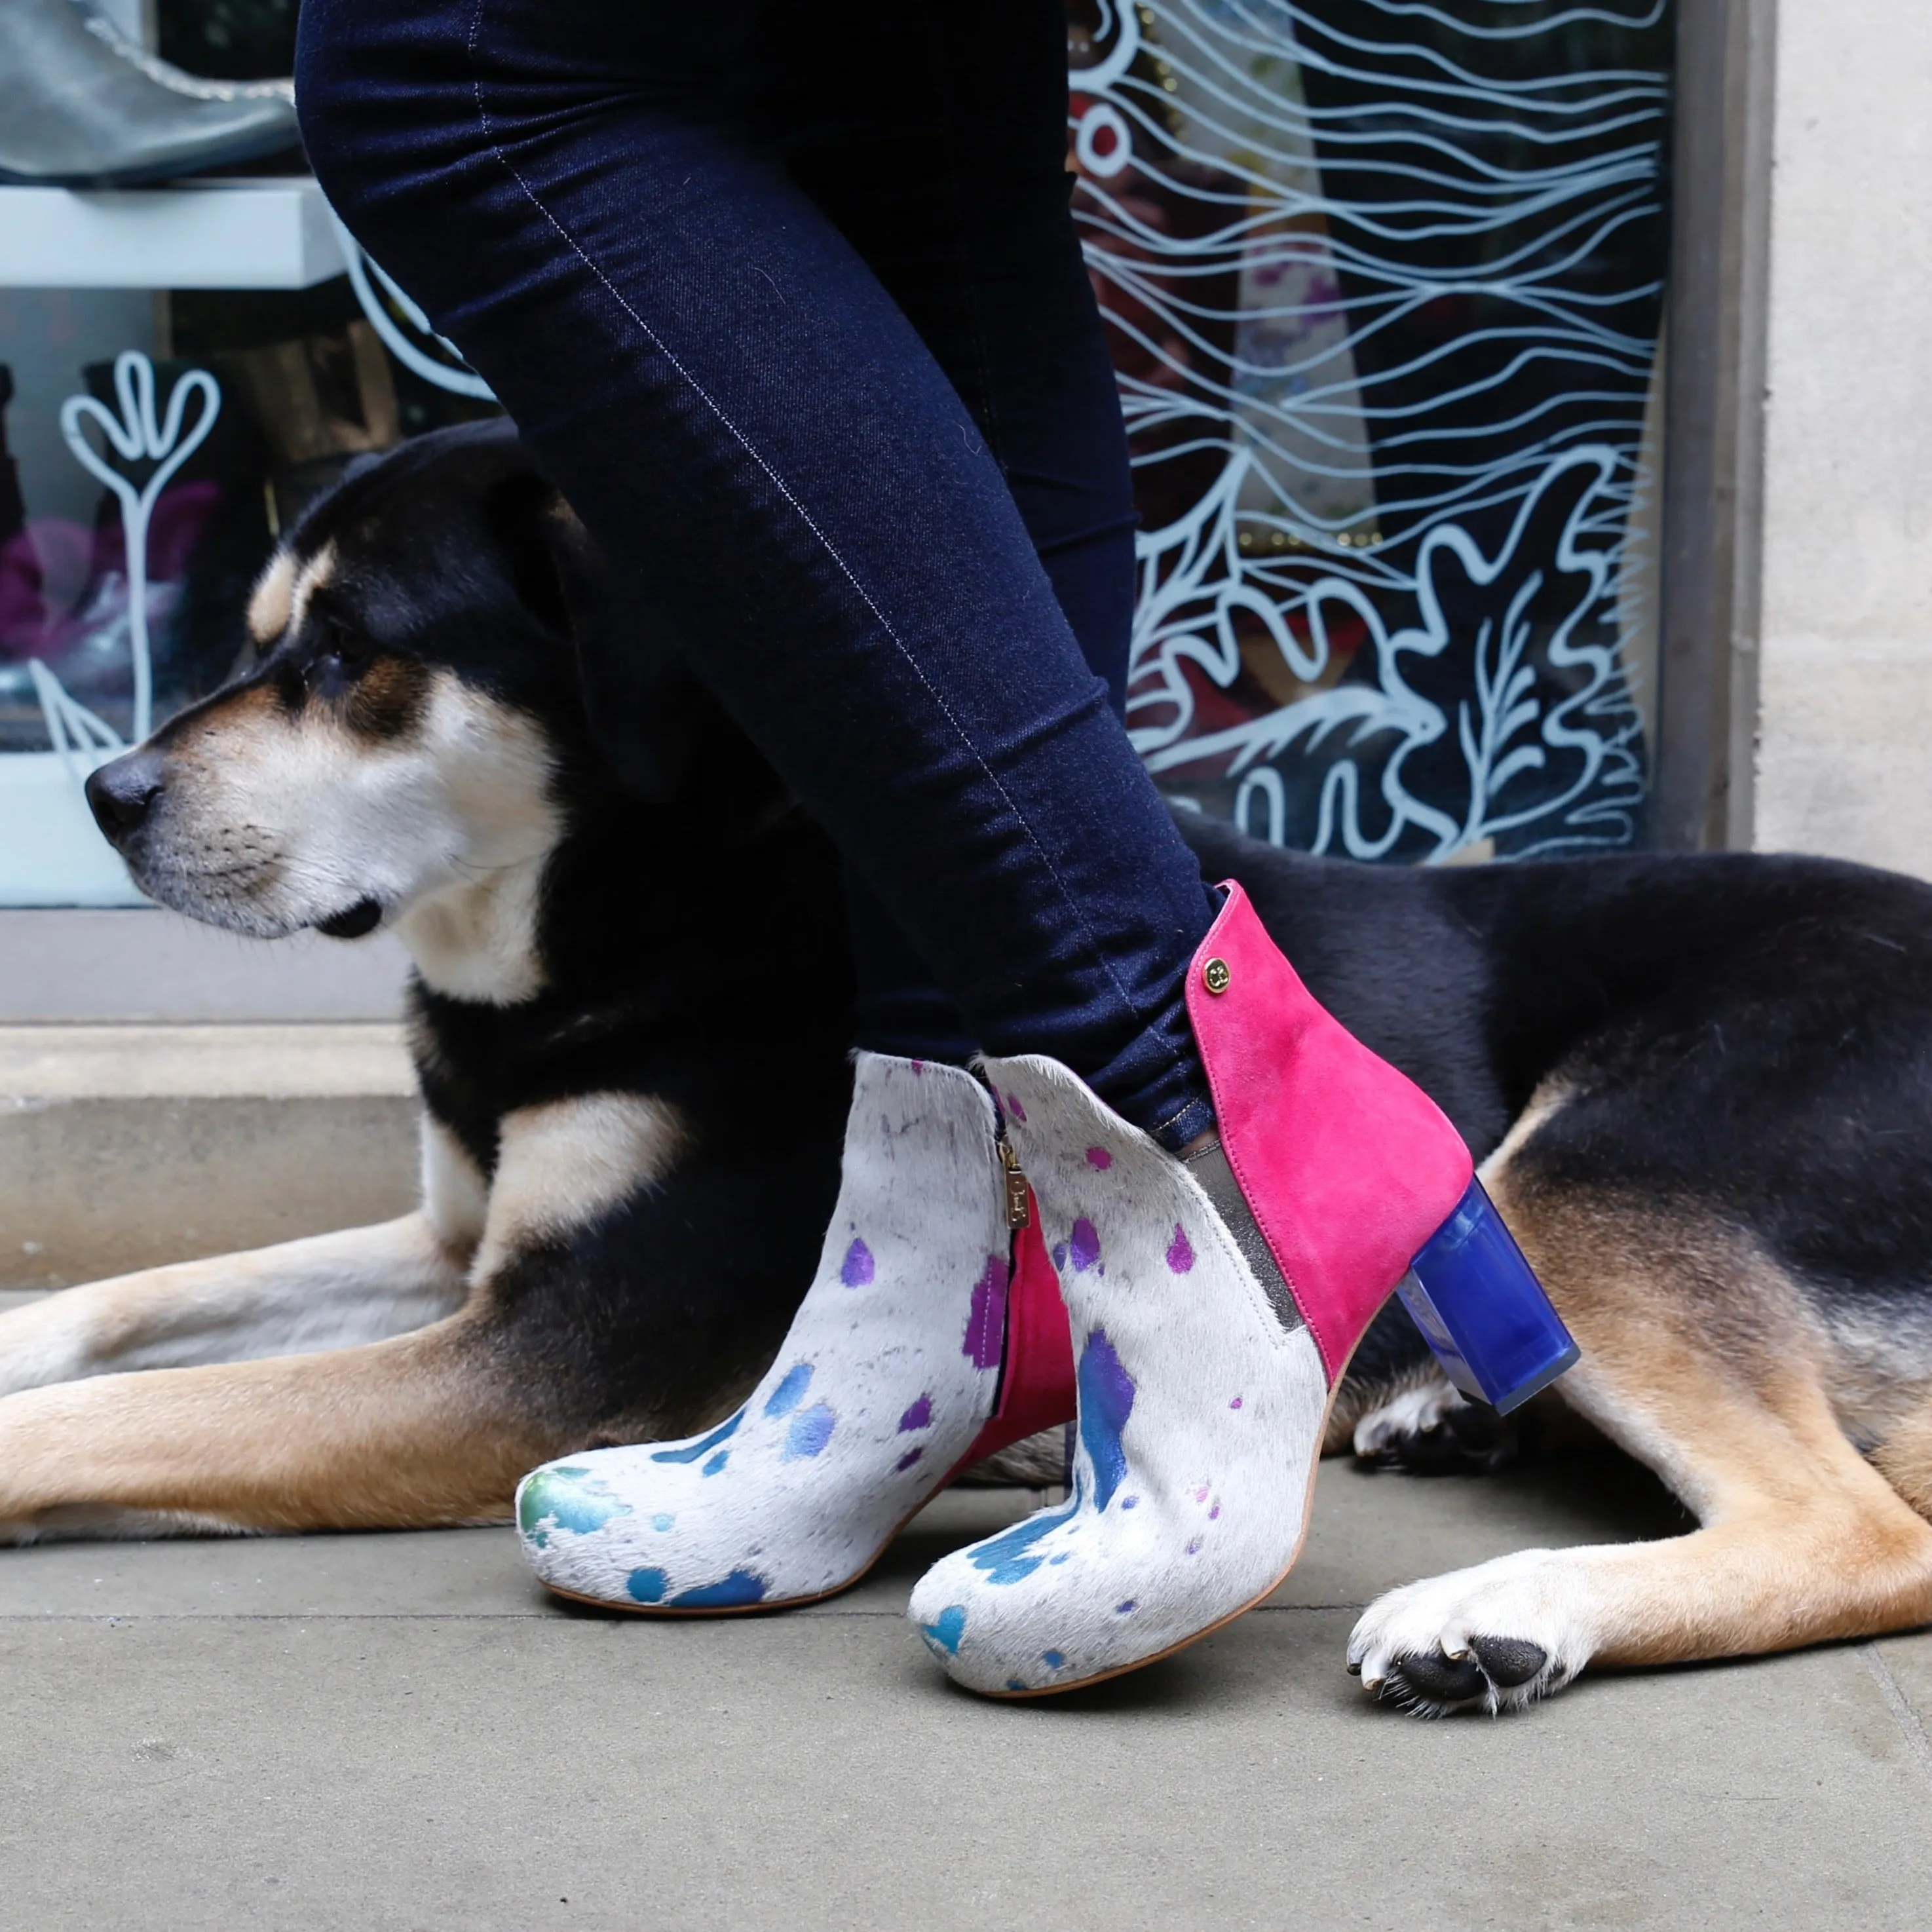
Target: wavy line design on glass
x,y
1382,281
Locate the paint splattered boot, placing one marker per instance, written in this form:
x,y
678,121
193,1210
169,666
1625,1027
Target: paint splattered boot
x,y
931,1337
1214,1304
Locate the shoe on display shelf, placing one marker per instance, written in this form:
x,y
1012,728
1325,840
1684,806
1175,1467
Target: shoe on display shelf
x,y
82,106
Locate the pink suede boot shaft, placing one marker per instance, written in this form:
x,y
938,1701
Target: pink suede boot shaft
x,y
1347,1167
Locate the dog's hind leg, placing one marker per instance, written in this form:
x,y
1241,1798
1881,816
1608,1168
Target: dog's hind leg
x,y
1699,1359
1904,1459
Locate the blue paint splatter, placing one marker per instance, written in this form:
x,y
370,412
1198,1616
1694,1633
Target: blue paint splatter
x,y
811,1429
1052,1659
790,1392
1059,1254
1004,1557
910,1456
1083,1245
919,1416
661,1523
946,1629
702,1446
1014,1683
859,1267
571,1499
1125,1609
741,1586
716,1463
1062,1558
646,1586
1106,1400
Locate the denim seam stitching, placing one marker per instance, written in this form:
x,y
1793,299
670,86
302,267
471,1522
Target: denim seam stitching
x,y
805,517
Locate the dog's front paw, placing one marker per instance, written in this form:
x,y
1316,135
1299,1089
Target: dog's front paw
x,y
1494,1638
1431,1431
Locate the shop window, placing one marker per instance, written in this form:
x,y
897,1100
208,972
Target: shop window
x,y
1385,282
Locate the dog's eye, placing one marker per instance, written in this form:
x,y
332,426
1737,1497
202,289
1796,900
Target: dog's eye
x,y
344,656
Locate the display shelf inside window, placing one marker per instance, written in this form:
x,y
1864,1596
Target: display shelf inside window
x,y
1384,284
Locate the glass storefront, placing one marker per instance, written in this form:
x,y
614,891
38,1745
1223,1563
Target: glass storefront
x,y
1385,284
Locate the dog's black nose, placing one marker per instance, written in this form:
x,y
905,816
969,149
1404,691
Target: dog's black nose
x,y
122,792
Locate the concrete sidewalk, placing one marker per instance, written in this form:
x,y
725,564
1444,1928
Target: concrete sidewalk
x,y
372,1733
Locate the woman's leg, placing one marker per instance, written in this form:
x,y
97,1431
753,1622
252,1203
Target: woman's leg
x,y
955,194
581,197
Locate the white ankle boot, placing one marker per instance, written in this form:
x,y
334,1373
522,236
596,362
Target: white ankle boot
x,y
1214,1305
1201,1418
885,1385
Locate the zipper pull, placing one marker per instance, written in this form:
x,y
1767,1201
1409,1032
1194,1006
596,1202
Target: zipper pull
x,y
1018,1213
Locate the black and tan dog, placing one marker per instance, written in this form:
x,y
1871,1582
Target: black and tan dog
x,y
1701,1088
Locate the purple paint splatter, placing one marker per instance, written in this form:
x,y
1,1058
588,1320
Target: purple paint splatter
x,y
1059,1254
1083,1247
1236,1403
986,1322
859,1267
1100,1158
1125,1609
1179,1251
910,1456
1214,1512
919,1416
1194,1548
1201,1496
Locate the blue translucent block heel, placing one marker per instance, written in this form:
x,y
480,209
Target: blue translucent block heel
x,y
1482,1309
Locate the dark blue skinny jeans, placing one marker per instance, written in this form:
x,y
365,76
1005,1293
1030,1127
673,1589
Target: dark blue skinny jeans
x,y
789,299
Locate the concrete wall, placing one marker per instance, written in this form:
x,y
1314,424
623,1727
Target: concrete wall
x,y
1845,721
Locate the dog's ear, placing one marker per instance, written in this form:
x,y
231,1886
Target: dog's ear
x,y
641,705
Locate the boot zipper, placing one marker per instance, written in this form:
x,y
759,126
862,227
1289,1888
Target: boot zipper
x,y
1018,1213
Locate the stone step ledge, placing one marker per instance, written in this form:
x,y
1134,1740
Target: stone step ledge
x,y
124,1147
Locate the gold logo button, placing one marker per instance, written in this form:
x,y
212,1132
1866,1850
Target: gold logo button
x,y
1214,975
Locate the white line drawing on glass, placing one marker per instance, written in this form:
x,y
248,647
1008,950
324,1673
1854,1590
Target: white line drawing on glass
x,y
376,291
138,434
1344,475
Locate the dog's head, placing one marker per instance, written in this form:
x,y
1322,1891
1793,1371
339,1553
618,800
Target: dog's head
x,y
410,736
